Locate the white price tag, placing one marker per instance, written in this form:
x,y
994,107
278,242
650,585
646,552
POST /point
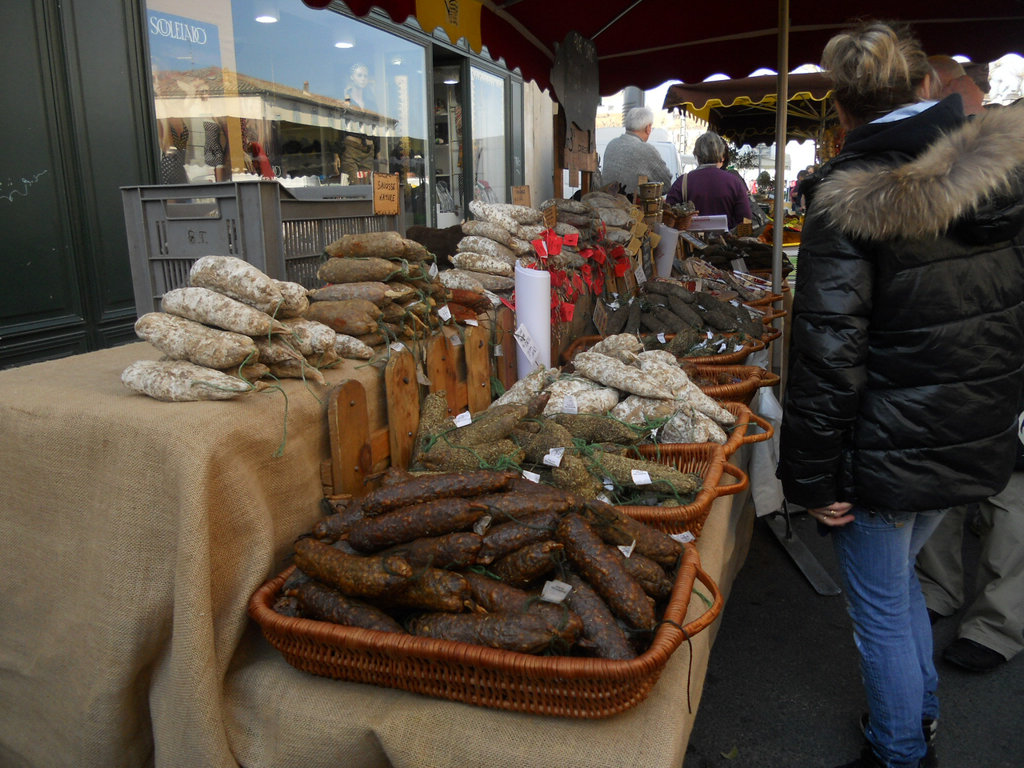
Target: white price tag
x,y
641,278
661,338
421,377
493,298
481,525
455,340
570,405
683,538
444,313
604,497
627,551
397,346
553,458
498,351
555,591
613,305
464,419
640,476
608,483
533,477
472,321
525,341
654,434
433,271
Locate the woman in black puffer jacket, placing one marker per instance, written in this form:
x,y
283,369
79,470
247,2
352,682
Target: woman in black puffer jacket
x,y
907,352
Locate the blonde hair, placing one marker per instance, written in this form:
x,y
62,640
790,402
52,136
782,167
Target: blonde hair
x,y
875,68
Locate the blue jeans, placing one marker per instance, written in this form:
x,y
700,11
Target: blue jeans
x,y
876,554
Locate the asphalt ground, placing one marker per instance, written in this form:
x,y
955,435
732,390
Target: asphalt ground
x,y
783,687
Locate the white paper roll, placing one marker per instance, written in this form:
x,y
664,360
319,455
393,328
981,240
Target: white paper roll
x,y
533,320
665,253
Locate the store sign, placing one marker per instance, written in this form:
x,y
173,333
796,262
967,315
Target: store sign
x,y
177,43
385,194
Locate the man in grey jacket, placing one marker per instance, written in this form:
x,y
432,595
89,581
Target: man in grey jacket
x,y
628,156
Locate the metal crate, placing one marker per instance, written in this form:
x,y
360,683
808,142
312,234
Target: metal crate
x,y
170,226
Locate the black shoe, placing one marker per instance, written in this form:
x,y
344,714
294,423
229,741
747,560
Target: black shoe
x,y
867,759
972,656
930,727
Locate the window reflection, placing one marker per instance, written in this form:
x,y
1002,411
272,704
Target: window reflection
x,y
488,97
316,100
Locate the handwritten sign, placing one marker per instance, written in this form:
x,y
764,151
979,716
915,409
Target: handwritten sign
x,y
385,194
521,195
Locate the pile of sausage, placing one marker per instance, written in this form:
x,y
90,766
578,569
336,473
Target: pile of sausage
x,y
489,558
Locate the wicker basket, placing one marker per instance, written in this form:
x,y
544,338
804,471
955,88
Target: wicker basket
x,y
560,686
750,379
705,459
582,343
767,301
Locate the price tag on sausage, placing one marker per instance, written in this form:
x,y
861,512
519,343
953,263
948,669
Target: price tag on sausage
x,y
640,476
494,298
433,271
641,278
683,538
555,591
444,313
661,337
533,477
498,351
570,405
464,419
397,346
608,483
553,458
627,551
480,526
472,321
528,346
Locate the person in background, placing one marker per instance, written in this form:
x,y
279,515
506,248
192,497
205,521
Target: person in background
x,y
628,156
894,411
712,190
797,197
954,79
990,631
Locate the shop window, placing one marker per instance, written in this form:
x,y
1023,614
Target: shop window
x,y
312,98
489,144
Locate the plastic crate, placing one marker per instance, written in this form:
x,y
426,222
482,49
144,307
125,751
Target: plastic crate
x,y
170,226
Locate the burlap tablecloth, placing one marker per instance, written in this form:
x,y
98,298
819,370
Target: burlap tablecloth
x,y
134,533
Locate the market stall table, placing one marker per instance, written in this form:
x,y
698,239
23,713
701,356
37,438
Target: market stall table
x,y
134,534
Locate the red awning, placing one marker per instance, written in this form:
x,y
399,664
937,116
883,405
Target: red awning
x,y
645,43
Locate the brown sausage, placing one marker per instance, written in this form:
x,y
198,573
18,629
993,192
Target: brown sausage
x,y
605,636
648,574
605,572
617,528
318,601
527,564
432,590
354,575
529,529
452,550
336,524
517,505
431,518
528,632
430,487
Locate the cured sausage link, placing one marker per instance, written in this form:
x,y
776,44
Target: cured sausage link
x,y
430,487
354,575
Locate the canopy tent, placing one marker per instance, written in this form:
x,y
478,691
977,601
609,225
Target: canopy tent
x,y
743,110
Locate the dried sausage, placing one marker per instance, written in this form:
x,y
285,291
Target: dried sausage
x,y
527,564
529,529
648,574
318,601
605,572
431,518
432,487
452,550
603,633
528,632
617,528
355,575
432,589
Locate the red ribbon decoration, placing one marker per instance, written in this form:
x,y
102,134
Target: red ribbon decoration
x,y
541,247
558,277
554,242
565,312
571,239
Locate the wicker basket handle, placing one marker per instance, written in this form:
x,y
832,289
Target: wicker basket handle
x,y
741,484
705,619
764,424
768,378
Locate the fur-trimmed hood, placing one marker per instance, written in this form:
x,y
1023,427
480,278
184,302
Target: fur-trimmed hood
x,y
964,170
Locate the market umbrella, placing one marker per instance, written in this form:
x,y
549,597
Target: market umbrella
x,y
743,110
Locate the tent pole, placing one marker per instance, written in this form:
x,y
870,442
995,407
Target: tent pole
x,y
778,361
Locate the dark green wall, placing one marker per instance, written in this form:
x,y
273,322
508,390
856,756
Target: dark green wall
x,y
77,127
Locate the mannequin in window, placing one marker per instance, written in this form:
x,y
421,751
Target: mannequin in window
x,y
357,92
174,136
